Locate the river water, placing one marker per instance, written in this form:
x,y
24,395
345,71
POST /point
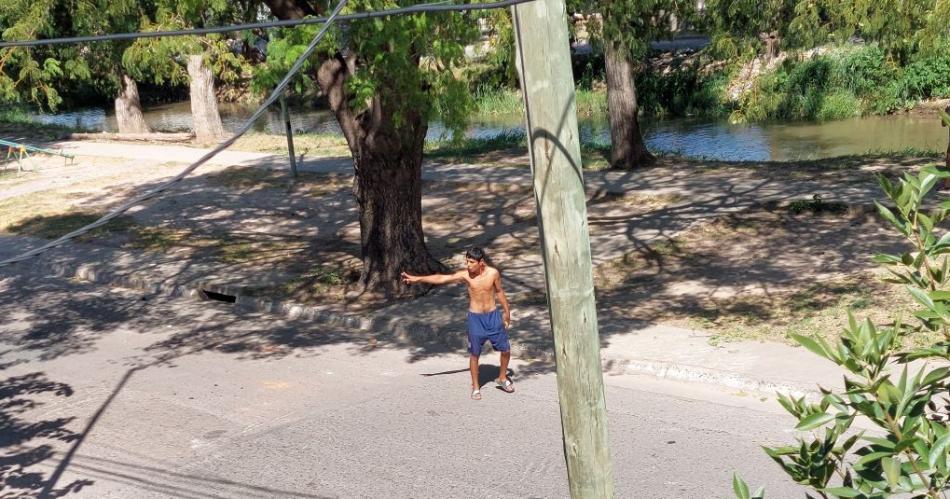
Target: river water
x,y
691,137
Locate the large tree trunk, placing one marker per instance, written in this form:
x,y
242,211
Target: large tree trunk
x,y
771,41
627,149
204,104
387,160
128,110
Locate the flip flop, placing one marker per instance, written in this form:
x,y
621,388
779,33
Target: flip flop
x,y
476,395
507,386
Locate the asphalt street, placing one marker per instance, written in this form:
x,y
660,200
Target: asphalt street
x,y
112,393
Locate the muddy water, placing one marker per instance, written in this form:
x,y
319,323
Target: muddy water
x,y
697,138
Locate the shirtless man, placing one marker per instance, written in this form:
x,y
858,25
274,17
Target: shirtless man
x,y
485,322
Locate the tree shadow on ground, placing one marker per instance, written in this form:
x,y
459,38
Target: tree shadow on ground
x,y
50,320
25,441
287,234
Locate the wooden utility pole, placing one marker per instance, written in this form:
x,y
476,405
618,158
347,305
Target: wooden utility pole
x,y
544,66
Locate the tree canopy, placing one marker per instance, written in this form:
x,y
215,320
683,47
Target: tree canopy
x,y
632,24
410,62
902,28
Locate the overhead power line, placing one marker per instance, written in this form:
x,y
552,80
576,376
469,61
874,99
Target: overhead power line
x,y
415,9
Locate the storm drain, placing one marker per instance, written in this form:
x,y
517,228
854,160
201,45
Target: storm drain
x,y
211,295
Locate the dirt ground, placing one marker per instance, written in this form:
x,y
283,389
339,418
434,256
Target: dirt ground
x,y
760,273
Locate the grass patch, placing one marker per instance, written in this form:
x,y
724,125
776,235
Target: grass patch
x,y
591,102
251,178
474,146
318,283
905,153
595,156
634,202
499,102
248,178
510,102
730,277
816,206
308,145
224,246
161,239
819,310
17,124
491,150
54,226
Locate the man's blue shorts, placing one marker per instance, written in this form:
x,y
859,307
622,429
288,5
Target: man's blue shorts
x,y
487,327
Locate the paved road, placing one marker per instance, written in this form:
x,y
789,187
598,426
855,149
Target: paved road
x,y
111,393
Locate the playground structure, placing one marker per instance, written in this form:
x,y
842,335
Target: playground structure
x,y
19,152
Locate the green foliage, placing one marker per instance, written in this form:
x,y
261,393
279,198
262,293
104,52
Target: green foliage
x,y
816,205
735,25
928,77
843,83
30,75
164,60
496,70
498,102
410,64
863,70
838,104
933,37
908,454
793,92
630,25
899,26
685,89
41,75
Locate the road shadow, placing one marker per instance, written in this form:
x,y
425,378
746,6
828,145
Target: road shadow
x,y
26,442
487,373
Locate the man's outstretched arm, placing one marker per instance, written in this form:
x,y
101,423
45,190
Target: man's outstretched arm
x,y
433,278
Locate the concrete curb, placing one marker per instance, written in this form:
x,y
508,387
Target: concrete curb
x,y
391,327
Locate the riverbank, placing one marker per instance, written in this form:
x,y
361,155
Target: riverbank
x,y
821,84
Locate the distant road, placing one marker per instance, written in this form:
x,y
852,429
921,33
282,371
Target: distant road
x,y
693,41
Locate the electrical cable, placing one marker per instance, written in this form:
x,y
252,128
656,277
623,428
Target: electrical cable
x,y
415,9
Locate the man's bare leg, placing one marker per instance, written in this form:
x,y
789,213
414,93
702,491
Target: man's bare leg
x,y
473,367
505,357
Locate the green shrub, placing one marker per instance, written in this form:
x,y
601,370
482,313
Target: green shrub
x,y
908,454
838,105
12,116
927,78
683,90
842,84
863,70
489,102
